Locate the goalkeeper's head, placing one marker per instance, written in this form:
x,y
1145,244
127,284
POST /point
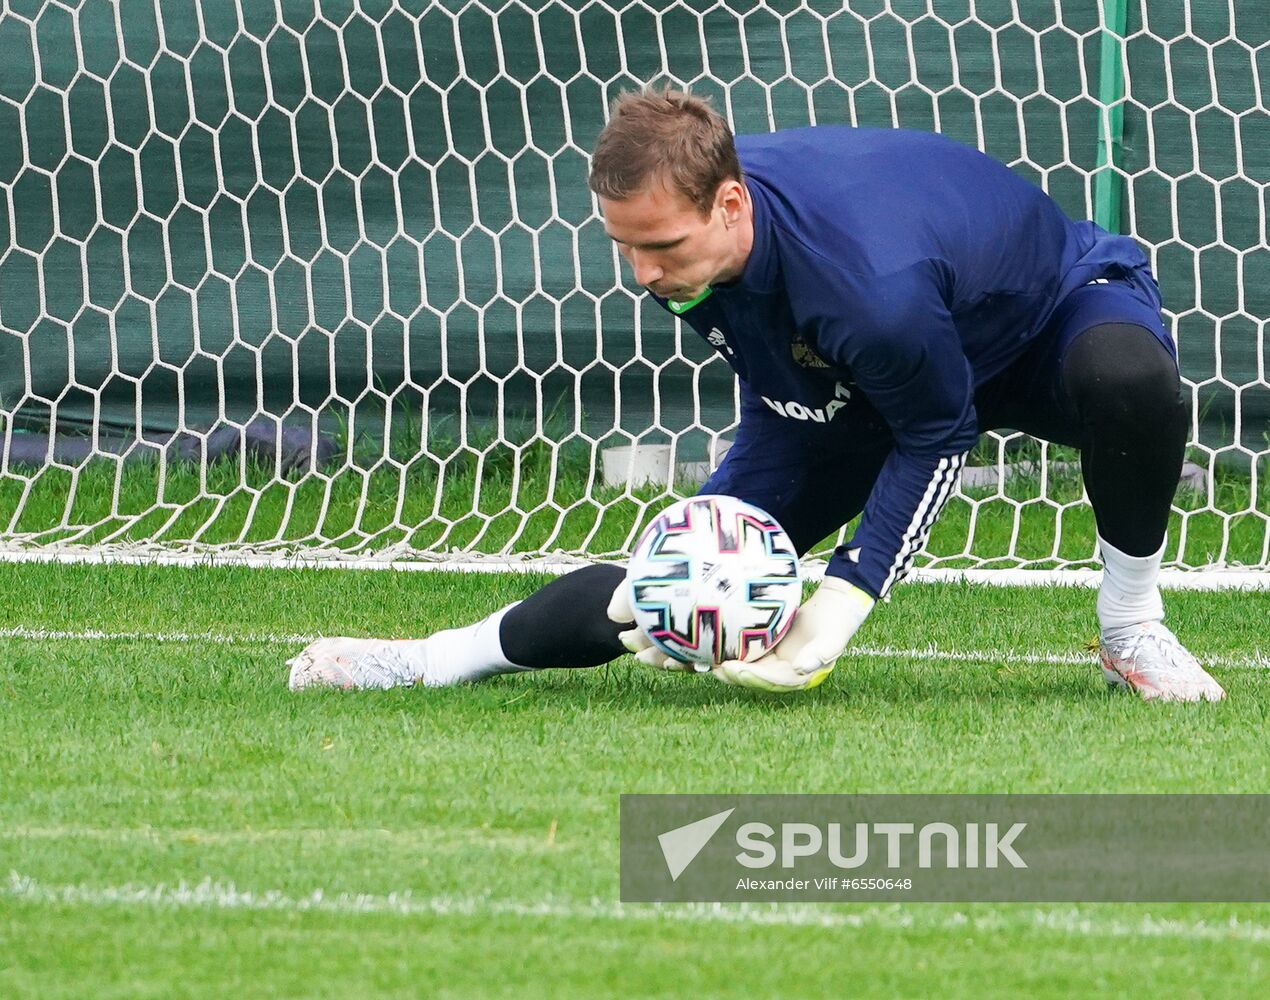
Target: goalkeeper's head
x,y
669,182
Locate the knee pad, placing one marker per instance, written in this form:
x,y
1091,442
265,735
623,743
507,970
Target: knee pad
x,y
1120,372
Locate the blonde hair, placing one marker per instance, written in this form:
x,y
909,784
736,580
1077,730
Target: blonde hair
x,y
667,134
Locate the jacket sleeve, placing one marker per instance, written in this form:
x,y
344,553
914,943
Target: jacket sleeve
x,y
898,339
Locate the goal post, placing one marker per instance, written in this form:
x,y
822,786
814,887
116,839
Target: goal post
x,y
322,281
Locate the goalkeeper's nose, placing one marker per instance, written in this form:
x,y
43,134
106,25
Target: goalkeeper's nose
x,y
647,271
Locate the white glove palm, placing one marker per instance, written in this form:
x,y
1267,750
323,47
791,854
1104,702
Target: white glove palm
x,y
806,655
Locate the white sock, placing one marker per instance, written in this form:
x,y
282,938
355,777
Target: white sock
x,y
1130,591
463,655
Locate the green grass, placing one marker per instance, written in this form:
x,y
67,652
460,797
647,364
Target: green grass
x,y
478,826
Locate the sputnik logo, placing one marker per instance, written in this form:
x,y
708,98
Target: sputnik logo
x,y
681,845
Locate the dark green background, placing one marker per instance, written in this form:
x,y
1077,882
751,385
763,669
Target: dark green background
x,y
357,203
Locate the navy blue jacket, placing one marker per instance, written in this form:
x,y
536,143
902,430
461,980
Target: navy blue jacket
x,y
904,266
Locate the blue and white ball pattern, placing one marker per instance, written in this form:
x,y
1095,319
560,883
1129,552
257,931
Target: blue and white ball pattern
x,y
714,578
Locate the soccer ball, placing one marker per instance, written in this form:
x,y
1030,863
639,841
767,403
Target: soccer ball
x,y
714,578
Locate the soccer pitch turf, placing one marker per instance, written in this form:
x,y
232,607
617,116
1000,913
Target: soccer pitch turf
x,y
174,822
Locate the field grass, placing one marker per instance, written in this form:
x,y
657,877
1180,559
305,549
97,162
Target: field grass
x,y
173,822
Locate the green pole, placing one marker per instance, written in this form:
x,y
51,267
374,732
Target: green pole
x,y
1108,184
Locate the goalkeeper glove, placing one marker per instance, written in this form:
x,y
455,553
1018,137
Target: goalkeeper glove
x,y
805,656
633,638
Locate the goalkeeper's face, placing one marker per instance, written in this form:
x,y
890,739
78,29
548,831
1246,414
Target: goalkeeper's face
x,y
674,249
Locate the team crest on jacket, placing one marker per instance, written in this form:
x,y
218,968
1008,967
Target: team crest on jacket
x,y
804,355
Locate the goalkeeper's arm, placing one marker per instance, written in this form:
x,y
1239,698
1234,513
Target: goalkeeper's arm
x,y
913,370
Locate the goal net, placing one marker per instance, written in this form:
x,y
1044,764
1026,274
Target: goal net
x,y
323,277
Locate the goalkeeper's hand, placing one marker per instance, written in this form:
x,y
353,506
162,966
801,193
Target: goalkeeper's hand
x,y
633,638
805,656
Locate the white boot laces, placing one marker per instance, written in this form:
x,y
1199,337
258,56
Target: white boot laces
x,y
387,661
1161,648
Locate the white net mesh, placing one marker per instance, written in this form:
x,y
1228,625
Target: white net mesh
x,y
325,276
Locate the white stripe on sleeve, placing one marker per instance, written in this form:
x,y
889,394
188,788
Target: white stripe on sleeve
x,y
918,531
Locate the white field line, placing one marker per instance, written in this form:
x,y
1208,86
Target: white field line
x,y
209,638
215,895
421,837
1256,661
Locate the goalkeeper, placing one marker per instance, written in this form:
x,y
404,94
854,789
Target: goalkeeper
x,y
884,296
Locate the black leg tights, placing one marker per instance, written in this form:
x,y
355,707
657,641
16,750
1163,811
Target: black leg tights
x,y
572,607
1122,388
